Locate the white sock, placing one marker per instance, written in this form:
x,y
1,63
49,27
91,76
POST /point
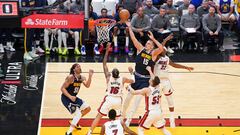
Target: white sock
x,y
165,131
76,39
59,39
115,41
64,39
75,120
172,115
127,41
96,45
140,131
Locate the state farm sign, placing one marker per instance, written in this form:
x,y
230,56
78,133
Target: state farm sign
x,y
53,21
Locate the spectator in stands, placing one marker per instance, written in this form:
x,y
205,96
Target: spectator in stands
x,y
33,35
237,11
119,8
104,14
203,9
183,9
120,30
191,20
170,8
150,10
75,9
225,9
159,24
131,5
212,28
7,39
92,32
141,25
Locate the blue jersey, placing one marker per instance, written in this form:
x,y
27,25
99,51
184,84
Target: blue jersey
x,y
74,87
143,59
225,6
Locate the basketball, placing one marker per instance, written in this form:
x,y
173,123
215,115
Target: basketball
x,y
124,15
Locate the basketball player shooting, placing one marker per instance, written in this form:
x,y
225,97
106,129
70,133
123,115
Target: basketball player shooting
x,y
146,55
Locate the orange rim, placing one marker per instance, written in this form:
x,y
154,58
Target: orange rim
x,y
104,22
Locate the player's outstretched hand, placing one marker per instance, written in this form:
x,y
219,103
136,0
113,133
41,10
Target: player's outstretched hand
x,y
150,35
91,72
189,68
130,69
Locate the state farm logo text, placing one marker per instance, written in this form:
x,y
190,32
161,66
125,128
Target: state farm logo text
x,y
46,22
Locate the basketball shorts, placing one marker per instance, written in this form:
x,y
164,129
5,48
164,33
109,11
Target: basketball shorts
x,y
166,87
121,29
110,102
153,117
140,82
71,106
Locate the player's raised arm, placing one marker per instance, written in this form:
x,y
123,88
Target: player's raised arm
x,y
175,65
66,83
126,129
105,67
87,82
136,43
160,46
102,130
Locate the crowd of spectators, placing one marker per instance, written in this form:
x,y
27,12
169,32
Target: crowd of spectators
x,y
197,25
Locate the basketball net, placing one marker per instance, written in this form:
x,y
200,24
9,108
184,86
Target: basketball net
x,y
103,27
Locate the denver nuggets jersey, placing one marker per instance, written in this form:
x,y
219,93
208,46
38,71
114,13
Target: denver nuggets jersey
x,y
143,59
114,87
113,128
152,102
74,87
161,67
225,6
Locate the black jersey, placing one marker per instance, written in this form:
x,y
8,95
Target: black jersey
x,y
143,59
74,87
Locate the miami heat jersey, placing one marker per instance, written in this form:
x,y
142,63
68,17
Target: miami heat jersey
x,y
153,100
75,86
113,128
114,87
161,67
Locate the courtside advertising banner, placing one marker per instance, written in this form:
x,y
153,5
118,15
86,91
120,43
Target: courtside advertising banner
x,y
53,21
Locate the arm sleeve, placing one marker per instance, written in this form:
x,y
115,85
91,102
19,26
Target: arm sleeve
x,y
181,23
219,24
204,23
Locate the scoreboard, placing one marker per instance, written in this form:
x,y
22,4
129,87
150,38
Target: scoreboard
x,y
9,8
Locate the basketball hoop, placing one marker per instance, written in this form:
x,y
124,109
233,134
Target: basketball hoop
x,y
103,26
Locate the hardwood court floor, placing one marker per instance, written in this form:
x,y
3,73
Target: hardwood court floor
x,y
153,131
211,90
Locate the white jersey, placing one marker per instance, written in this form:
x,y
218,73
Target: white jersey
x,y
153,100
114,127
114,87
161,67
